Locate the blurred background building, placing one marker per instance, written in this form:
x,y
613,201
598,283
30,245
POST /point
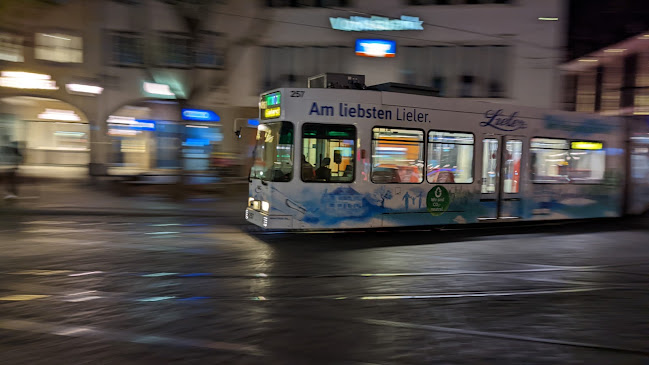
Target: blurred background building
x,y
608,58
129,86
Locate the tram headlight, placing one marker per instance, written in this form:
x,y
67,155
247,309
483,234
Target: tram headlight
x,y
250,200
255,204
265,206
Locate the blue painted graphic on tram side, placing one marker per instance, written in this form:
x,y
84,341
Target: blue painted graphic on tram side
x,y
584,127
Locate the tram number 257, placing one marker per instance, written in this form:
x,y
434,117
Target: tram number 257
x,y
297,94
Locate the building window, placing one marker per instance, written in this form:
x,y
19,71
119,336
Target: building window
x,y
629,80
174,50
466,71
450,157
496,70
397,155
641,95
11,48
292,66
457,2
127,49
586,92
328,153
208,50
466,86
58,47
305,3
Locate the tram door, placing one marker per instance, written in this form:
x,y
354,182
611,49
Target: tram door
x,y
502,158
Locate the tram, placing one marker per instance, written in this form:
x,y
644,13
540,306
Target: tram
x,y
349,159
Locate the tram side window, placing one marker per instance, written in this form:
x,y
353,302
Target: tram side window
x,y
549,160
328,152
450,157
489,165
397,155
273,152
587,162
512,166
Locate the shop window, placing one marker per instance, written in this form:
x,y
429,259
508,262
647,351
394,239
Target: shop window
x,y
549,160
174,50
208,52
450,157
397,155
11,48
328,152
127,49
58,47
489,165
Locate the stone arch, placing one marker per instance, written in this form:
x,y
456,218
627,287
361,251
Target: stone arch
x,y
51,132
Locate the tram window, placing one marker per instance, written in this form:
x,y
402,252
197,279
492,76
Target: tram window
x,y
489,165
328,153
640,164
512,166
586,162
273,152
549,160
397,155
450,157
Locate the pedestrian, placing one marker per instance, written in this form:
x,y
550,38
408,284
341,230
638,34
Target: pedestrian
x,y
10,160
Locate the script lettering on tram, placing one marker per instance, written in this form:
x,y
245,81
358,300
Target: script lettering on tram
x,y
370,112
499,120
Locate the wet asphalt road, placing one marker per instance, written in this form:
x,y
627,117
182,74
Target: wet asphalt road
x,y
137,290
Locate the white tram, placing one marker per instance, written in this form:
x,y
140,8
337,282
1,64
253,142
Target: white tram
x,y
347,159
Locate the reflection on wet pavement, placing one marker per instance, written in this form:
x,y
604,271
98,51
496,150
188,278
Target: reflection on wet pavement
x,y
172,290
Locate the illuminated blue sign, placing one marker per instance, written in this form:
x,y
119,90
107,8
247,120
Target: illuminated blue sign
x,y
143,125
375,48
200,115
376,23
253,122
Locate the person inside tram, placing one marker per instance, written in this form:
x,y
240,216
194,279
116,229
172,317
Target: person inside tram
x,y
308,172
323,172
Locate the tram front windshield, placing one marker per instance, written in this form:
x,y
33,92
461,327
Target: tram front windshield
x,y
273,152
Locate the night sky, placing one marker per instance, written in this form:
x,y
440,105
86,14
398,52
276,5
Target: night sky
x,y
594,24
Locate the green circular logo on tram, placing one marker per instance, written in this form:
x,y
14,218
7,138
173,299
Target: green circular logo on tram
x,y
438,200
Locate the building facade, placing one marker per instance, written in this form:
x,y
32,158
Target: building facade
x,y
153,85
613,80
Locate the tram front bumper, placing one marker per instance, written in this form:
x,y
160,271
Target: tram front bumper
x,y
269,221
